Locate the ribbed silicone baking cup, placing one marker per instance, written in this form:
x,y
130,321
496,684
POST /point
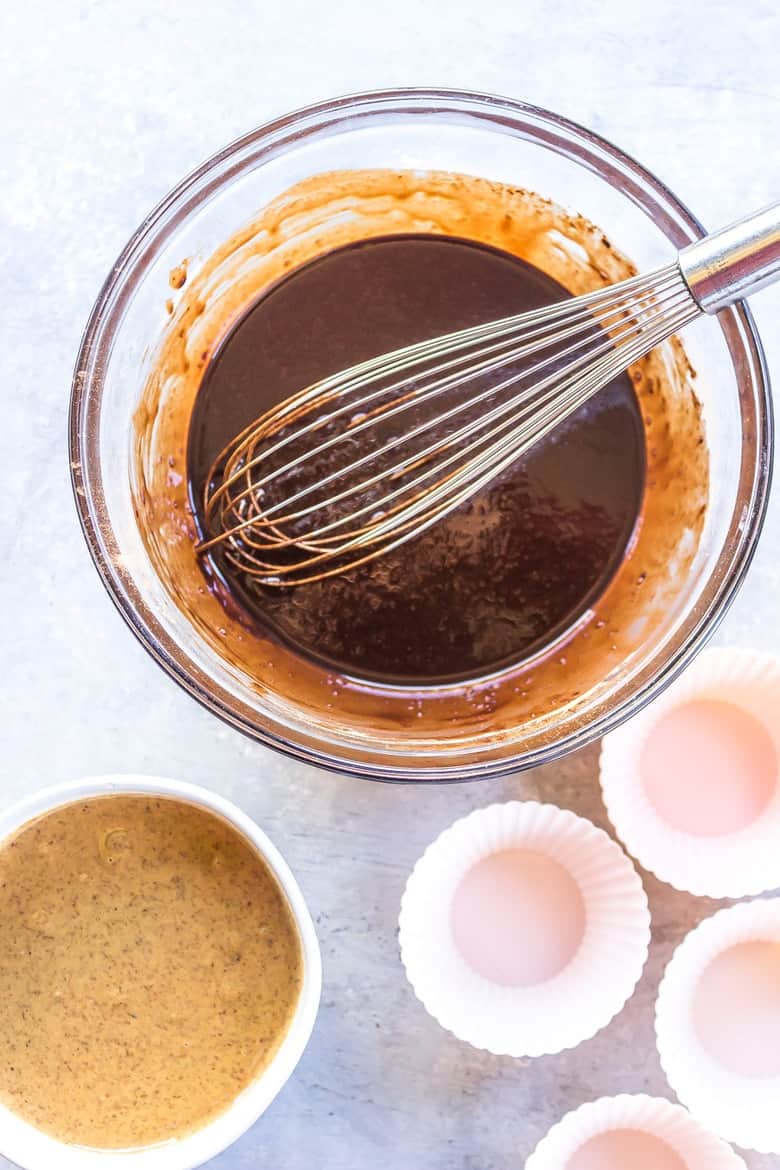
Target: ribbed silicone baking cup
x,y
725,865
695,1146
566,1008
742,1109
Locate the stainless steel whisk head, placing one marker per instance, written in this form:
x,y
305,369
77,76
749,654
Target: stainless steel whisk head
x,y
367,459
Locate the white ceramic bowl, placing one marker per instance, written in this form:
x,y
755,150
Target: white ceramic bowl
x,y
31,1149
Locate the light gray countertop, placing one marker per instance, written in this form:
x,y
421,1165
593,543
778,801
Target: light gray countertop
x,y
104,106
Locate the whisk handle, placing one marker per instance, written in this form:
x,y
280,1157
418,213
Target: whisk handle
x,y
734,262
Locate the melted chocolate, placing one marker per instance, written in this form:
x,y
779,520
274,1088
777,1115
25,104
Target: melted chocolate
x,y
504,575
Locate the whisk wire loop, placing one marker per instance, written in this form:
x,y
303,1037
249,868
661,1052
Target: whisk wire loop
x,y
293,499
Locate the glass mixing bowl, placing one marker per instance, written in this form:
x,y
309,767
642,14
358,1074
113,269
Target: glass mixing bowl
x,y
468,133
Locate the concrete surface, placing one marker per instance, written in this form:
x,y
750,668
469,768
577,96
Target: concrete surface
x,y
104,106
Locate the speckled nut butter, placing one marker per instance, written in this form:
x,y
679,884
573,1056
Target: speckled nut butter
x,y
151,968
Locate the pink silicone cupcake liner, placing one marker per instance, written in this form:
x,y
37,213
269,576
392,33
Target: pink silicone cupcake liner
x,y
718,1024
707,821
631,1133
553,1009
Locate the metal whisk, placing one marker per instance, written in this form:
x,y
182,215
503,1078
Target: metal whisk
x,y
365,460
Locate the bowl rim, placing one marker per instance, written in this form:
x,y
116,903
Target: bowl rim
x,y
640,185
33,1149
